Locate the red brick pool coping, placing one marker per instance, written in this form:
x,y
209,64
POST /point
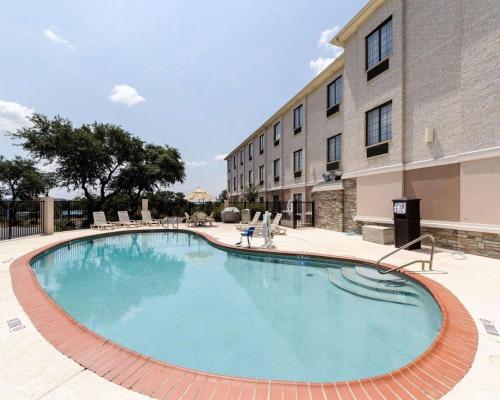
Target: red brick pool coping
x,y
430,376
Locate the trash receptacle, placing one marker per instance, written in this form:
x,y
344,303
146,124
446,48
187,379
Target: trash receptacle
x,y
406,221
246,215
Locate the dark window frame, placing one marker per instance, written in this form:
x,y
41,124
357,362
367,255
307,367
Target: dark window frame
x,y
250,177
297,127
241,181
332,138
333,84
275,130
377,31
235,184
250,151
379,108
234,162
262,143
276,171
299,151
261,174
242,156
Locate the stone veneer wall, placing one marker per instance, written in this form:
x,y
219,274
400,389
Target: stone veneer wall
x,y
335,209
478,243
350,205
329,210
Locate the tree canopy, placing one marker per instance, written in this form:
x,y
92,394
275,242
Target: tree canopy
x,y
20,179
251,193
100,159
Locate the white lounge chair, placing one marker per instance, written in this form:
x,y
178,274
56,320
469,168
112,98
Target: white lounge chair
x,y
147,220
124,220
189,220
276,229
253,222
100,221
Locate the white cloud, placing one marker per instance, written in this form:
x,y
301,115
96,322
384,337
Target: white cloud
x,y
50,33
327,35
196,163
13,116
220,157
126,94
320,63
330,52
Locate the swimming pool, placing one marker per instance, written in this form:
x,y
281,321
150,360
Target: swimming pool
x,y
175,297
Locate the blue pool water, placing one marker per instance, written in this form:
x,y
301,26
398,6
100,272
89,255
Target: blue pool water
x,y
177,298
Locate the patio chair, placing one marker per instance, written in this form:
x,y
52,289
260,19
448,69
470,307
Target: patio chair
x,y
253,222
200,218
100,221
147,220
189,220
248,233
124,220
276,229
211,218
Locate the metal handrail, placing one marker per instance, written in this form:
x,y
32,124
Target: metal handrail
x,y
419,239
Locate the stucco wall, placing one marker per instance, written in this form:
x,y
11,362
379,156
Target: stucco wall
x,y
439,189
376,192
480,191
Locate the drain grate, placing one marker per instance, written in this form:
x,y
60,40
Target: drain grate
x,y
489,327
15,325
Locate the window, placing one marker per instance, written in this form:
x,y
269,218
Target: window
x,y
277,133
261,174
234,162
241,157
297,163
250,151
379,124
241,181
234,184
276,203
261,144
297,119
334,93
228,166
261,199
334,148
250,177
228,185
379,45
276,170
297,197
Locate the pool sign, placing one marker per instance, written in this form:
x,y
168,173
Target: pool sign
x,y
400,207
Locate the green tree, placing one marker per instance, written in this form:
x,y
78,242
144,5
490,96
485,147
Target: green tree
x,y
222,196
102,160
157,168
251,193
20,179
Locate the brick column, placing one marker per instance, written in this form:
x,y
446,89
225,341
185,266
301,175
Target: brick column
x,y
48,215
145,205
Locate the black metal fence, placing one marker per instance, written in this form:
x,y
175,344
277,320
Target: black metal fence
x,y
71,214
20,218
295,214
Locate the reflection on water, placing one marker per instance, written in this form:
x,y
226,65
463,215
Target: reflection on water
x,y
177,298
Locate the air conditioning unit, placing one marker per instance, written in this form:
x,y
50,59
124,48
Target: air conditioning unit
x,y
327,176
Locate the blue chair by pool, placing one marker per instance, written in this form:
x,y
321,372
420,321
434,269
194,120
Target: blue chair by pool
x,y
248,233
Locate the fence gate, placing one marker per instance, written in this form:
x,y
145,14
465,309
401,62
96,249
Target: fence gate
x,y
20,218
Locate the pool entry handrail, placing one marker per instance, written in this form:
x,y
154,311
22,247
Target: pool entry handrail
x,y
419,239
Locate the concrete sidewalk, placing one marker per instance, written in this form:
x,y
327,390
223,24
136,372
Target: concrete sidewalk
x,y
30,368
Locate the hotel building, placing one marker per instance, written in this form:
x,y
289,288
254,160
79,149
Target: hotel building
x,y
411,108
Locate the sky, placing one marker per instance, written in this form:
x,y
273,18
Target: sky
x,y
197,75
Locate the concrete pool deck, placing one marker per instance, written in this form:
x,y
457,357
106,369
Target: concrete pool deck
x,y
32,368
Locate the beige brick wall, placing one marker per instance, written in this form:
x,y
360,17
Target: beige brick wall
x,y
360,95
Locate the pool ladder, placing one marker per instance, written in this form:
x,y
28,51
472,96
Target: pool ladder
x,y
419,239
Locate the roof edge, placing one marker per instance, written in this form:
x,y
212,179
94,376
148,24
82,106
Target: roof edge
x,y
352,26
333,67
